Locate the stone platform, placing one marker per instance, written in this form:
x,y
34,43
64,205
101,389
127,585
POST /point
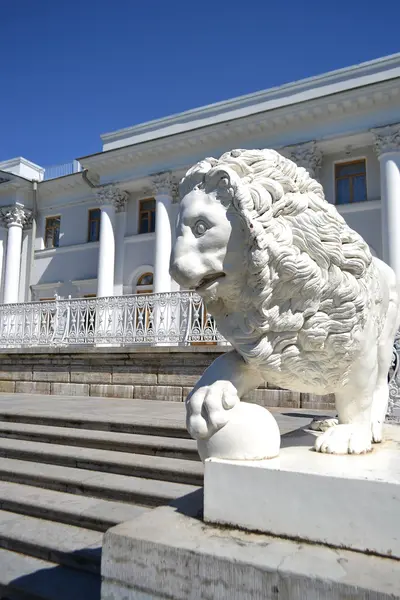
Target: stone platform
x,y
343,501
171,554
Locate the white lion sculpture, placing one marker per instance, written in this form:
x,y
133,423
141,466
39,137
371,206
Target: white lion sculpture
x,y
293,288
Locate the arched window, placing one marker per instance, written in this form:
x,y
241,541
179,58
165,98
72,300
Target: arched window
x,y
145,279
144,313
144,283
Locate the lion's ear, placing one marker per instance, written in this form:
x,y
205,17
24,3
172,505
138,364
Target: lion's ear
x,y
219,179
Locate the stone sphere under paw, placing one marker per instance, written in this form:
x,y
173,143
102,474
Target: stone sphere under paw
x,y
251,433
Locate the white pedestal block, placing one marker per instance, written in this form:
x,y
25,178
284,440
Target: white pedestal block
x,y
344,501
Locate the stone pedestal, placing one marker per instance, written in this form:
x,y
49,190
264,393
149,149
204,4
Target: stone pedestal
x,y
170,554
341,501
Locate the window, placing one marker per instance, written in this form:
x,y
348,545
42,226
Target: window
x,y
147,215
145,279
351,182
94,225
144,312
52,232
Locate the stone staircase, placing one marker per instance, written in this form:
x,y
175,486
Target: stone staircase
x,y
64,480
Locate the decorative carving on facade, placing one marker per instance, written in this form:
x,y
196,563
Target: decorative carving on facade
x,y
111,194
387,139
306,155
16,215
162,183
175,191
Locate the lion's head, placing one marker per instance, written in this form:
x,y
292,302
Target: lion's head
x,y
277,265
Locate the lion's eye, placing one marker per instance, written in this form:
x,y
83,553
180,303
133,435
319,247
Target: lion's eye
x,y
200,228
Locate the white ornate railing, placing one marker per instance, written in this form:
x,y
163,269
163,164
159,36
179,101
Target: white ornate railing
x,y
177,318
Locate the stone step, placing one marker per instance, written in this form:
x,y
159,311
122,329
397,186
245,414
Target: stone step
x,y
122,463
26,578
109,486
105,440
98,422
82,511
68,545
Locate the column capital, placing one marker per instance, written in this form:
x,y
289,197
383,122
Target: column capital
x,y
175,192
111,194
162,184
306,155
16,215
386,139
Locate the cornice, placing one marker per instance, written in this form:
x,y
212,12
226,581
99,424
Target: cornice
x,y
11,181
267,123
15,162
333,82
49,187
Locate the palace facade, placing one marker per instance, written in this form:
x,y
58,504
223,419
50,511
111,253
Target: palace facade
x,y
103,226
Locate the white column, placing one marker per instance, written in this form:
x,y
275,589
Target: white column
x,y
308,156
120,228
163,196
15,217
109,197
387,146
3,241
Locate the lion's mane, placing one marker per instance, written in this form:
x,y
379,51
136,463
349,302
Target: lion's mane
x,y
310,280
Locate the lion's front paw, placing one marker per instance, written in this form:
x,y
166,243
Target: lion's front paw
x,y
208,408
345,439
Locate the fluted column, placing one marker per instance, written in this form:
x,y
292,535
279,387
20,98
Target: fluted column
x,y
308,156
163,195
15,218
110,198
387,147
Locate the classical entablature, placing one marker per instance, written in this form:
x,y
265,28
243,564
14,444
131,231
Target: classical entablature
x,y
341,104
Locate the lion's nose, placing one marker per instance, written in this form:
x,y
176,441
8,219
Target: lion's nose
x,y
182,273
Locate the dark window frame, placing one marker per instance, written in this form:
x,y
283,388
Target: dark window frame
x,y
150,216
94,220
50,232
350,177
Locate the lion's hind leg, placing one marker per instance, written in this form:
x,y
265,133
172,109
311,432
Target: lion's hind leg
x,y
353,433
354,407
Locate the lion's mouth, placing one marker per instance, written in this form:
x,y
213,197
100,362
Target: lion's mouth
x,y
208,280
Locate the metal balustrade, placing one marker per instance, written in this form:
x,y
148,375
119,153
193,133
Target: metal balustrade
x,y
177,318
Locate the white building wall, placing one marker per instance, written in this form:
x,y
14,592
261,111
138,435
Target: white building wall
x,y
336,111
138,253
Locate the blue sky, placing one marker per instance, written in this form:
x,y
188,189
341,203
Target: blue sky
x,y
73,69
